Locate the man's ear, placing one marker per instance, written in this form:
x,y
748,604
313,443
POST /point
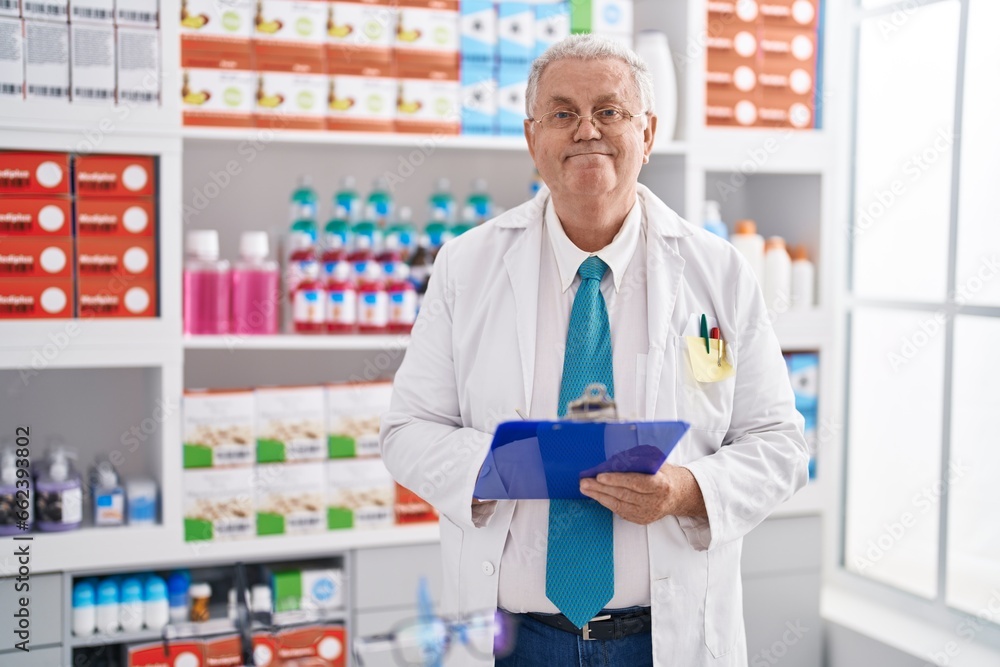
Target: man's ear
x,y
529,137
648,135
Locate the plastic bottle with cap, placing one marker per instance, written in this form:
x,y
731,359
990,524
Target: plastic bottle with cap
x,y
347,199
336,235
84,608
59,493
108,495
309,303
130,608
260,599
156,612
206,285
303,204
713,220
177,591
256,291
201,597
404,233
480,201
751,245
141,500
402,298
380,202
469,220
442,200
373,302
11,511
341,301
777,274
107,606
803,279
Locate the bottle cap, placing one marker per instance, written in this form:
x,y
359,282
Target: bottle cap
x,y
469,213
83,594
774,243
105,476
131,590
443,185
156,589
400,271
479,185
713,212
260,598
178,582
200,590
299,241
8,467
348,182
800,252
405,214
107,591
341,271
59,466
253,245
203,243
746,226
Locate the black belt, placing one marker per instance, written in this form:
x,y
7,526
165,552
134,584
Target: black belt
x,y
607,626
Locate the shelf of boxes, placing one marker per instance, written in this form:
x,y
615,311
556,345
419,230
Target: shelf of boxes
x,y
359,342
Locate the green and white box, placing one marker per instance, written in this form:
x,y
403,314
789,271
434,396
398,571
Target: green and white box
x,y
219,504
308,590
291,498
353,413
360,494
290,424
218,429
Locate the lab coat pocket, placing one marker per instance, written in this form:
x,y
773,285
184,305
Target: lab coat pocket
x,y
705,383
723,599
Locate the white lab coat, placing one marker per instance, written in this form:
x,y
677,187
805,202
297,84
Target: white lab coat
x,y
470,364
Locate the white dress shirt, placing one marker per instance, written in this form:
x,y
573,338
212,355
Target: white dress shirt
x,y
522,568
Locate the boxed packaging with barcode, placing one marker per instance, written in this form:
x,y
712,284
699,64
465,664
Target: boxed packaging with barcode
x,y
353,411
360,494
218,428
291,498
137,12
102,11
11,57
10,8
49,10
290,424
219,504
138,66
92,63
46,60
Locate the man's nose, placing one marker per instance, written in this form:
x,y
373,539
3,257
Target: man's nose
x,y
587,130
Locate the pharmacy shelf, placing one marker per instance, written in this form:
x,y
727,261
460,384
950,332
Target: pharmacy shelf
x,y
233,343
761,151
62,343
109,550
427,142
803,330
91,123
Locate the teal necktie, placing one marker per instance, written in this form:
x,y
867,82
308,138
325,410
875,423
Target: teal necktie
x,y
580,568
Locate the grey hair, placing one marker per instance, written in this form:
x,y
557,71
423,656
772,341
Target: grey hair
x,y
591,47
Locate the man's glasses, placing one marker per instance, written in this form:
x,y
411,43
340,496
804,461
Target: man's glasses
x,y
610,121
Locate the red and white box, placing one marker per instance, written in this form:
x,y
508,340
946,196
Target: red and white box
x,y
35,216
319,645
116,297
115,176
30,173
99,257
36,298
113,217
161,654
36,257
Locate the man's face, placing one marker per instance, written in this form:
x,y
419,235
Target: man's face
x,y
586,160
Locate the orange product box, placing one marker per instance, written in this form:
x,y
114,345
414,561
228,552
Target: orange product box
x,y
115,176
36,298
411,508
725,12
794,46
218,97
216,34
800,13
35,216
184,653
359,37
36,257
132,258
783,110
30,173
265,650
115,217
731,108
116,296
428,106
223,651
313,645
290,36
427,39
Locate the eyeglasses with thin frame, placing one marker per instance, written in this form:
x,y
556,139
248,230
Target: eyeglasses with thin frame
x,y
609,120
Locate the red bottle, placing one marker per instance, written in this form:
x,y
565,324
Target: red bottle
x,y
333,254
402,299
391,254
361,256
308,302
341,301
300,259
373,302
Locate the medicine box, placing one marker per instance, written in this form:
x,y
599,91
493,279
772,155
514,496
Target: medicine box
x,y
46,60
36,257
291,498
138,13
46,10
115,176
314,645
315,590
289,424
478,37
218,96
218,504
94,11
92,63
551,25
116,218
116,296
288,100
130,258
29,173
137,52
516,31
35,216
479,98
428,106
12,59
360,494
218,428
513,83
32,298
353,412
361,103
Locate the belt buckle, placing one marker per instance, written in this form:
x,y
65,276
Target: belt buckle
x,y
586,626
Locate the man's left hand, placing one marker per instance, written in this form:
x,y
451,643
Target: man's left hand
x,y
643,499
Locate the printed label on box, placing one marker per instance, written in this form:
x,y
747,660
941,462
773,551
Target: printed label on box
x,y
299,21
428,100
352,100
479,98
114,176
35,216
218,429
478,30
612,16
290,424
316,645
291,498
46,60
516,31
102,11
138,66
10,8
96,216
137,12
130,258
32,298
292,95
361,25
360,494
11,58
353,412
231,20
161,654
218,92
513,83
25,173
50,10
92,65
427,29
116,296
551,25
219,504
315,590
31,257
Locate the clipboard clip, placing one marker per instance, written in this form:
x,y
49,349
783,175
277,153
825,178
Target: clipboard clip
x,y
594,405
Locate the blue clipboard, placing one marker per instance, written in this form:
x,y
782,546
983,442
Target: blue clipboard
x,y
547,459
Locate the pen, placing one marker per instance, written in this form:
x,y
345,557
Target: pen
x,y
704,333
716,335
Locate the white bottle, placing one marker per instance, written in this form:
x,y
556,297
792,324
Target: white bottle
x,y
653,47
84,611
751,244
803,279
777,275
260,599
157,607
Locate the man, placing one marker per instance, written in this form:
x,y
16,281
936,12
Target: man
x,y
596,280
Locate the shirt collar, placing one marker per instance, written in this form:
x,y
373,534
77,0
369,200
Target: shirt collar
x,y
616,254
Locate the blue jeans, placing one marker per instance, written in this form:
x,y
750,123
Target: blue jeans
x,y
538,645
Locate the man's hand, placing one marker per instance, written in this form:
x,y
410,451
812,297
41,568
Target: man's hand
x,y
643,499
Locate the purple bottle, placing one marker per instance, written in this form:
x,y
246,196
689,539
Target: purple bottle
x,y
206,285
58,494
256,290
11,511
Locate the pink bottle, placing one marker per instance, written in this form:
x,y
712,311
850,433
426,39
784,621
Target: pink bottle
x,y
206,285
308,302
402,298
373,302
341,301
256,293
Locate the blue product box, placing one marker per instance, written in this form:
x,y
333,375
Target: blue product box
x,y
512,80
516,30
551,25
803,372
478,30
479,97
